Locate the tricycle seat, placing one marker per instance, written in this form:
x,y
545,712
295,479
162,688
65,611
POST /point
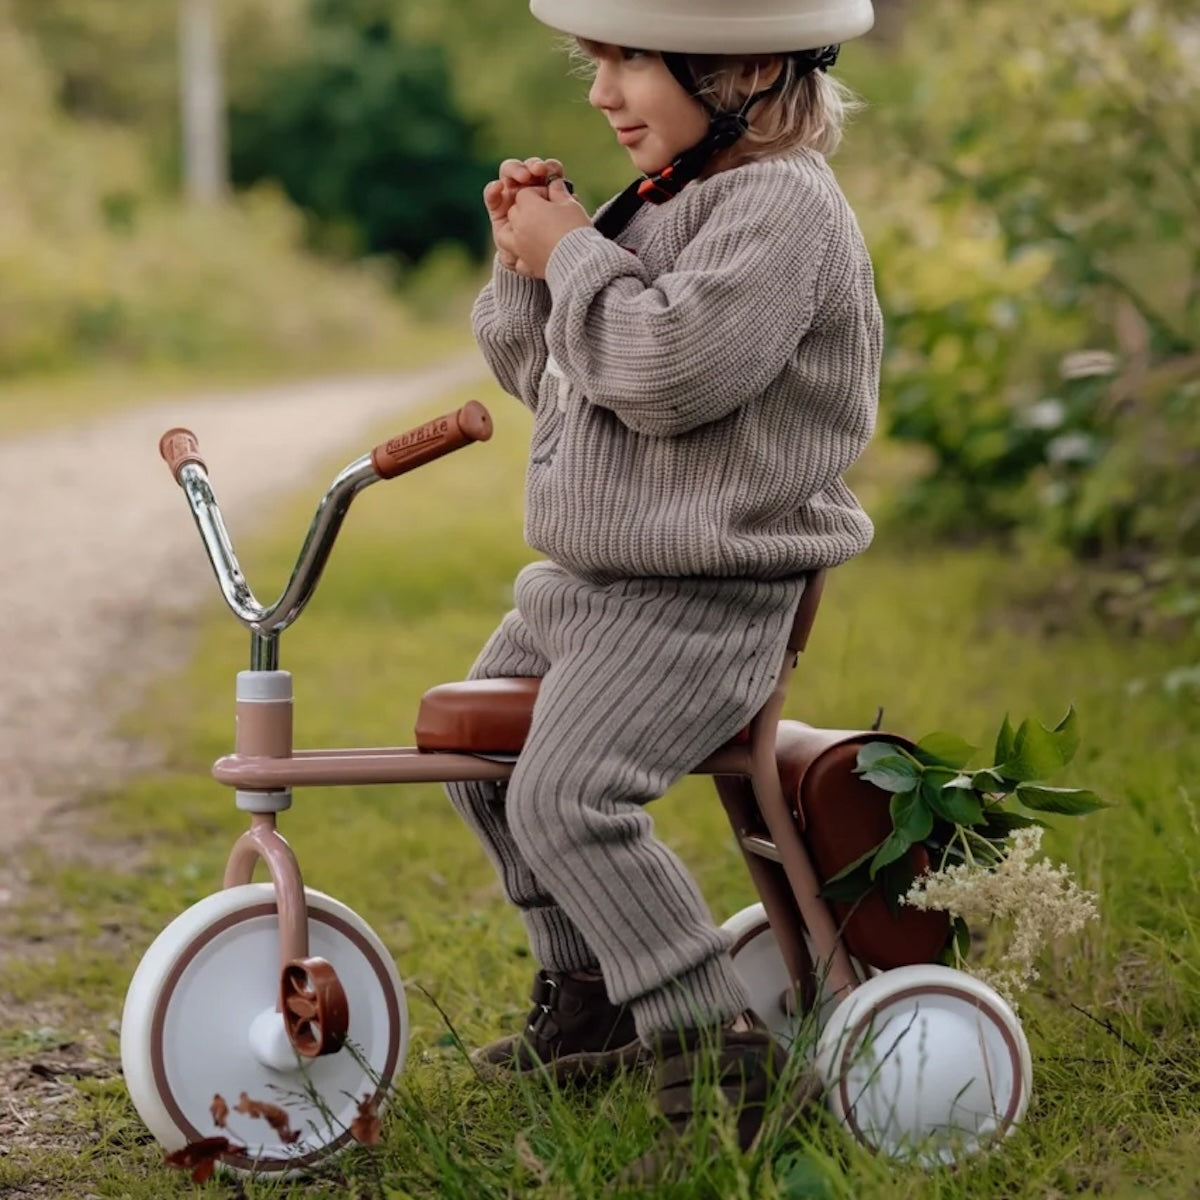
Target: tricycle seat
x,y
484,716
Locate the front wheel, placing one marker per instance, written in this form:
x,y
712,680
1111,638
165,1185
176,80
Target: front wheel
x,y
202,1045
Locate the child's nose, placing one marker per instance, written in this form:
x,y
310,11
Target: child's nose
x,y
604,92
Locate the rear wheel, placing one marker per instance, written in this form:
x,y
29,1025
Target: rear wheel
x,y
927,1064
758,961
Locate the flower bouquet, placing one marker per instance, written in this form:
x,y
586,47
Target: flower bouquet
x,y
981,832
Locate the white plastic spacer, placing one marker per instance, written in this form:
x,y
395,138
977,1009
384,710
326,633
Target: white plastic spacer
x,y
264,686
264,802
269,1043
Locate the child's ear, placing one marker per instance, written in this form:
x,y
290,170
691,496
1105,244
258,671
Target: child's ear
x,y
754,74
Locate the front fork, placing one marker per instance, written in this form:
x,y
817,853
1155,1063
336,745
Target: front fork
x,y
311,1000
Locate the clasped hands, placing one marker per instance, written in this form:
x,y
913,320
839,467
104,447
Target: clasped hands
x,y
531,210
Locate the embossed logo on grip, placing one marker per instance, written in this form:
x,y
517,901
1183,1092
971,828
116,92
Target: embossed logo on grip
x,y
410,444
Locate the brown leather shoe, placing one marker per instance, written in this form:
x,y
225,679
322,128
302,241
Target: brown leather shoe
x,y
574,1031
712,1071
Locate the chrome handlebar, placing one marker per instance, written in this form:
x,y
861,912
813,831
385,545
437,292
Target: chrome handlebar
x,y
270,621
179,447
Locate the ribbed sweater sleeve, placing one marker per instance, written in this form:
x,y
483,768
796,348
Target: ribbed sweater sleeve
x,y
704,381
671,353
509,320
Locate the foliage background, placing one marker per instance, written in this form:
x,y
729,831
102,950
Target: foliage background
x,y
1024,174
1047,206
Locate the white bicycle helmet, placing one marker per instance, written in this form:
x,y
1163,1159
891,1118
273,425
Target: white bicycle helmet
x,y
809,32
710,26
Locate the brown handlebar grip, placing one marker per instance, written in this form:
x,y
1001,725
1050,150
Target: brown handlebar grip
x,y
180,447
471,423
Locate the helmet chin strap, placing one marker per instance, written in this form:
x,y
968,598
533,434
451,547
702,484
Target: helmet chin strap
x,y
724,129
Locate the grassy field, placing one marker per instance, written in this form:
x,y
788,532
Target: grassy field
x,y
940,638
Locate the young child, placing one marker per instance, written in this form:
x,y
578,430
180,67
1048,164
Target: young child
x,y
702,363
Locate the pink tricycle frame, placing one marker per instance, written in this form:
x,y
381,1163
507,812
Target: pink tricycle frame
x,y
265,766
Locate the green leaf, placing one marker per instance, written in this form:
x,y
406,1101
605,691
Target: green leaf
x,y
893,774
1071,802
1004,742
896,845
894,881
1068,734
911,816
999,822
988,779
872,752
1038,752
960,936
801,1177
945,749
949,800
850,868
851,883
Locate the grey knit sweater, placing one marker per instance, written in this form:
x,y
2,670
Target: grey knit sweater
x,y
699,386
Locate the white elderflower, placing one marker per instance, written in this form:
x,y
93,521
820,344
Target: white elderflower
x,y
1038,899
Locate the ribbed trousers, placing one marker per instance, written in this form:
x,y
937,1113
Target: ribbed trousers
x,y
641,680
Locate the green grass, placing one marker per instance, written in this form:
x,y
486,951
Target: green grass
x,y
939,638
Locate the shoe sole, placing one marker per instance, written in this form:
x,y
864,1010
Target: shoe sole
x,y
585,1064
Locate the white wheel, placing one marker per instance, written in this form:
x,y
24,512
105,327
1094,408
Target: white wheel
x,y
200,1022
927,1064
758,961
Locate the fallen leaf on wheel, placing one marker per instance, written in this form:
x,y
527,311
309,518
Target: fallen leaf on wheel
x,y
274,1116
219,1110
201,1157
366,1127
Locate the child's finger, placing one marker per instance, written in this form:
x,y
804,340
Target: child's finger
x,y
510,190
515,170
493,196
544,169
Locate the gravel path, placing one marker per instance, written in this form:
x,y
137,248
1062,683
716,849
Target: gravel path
x,y
100,559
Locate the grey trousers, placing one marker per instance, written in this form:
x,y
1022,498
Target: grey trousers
x,y
641,680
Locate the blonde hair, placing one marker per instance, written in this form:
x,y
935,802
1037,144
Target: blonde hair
x,y
807,109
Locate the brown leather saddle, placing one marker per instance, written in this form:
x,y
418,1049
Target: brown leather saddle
x,y
493,716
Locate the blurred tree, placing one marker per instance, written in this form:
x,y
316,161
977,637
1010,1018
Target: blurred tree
x,y
362,130
114,60
205,152
117,61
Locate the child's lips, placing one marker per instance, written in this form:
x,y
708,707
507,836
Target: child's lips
x,y
628,134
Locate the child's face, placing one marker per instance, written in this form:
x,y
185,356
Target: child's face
x,y
654,118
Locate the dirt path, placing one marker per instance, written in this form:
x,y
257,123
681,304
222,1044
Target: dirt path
x,y
98,559
100,573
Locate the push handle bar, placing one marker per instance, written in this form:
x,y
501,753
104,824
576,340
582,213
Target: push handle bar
x,y
180,448
471,423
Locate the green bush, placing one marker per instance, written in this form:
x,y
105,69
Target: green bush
x,y
97,264
1036,197
362,130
